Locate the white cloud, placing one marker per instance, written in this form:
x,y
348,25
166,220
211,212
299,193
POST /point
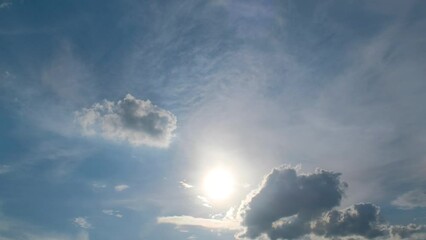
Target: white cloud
x,y
111,212
411,199
185,185
99,185
82,222
121,187
200,222
136,121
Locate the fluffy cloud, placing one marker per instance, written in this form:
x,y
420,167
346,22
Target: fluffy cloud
x,y
360,220
411,199
289,205
82,222
137,121
286,202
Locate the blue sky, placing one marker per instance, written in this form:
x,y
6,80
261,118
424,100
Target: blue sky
x,y
114,113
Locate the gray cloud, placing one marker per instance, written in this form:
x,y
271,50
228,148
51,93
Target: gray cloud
x,y
411,231
360,219
290,205
286,201
137,121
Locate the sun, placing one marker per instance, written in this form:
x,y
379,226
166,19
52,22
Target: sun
x,y
219,184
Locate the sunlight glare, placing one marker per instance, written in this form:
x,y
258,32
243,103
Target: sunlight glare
x,y
219,184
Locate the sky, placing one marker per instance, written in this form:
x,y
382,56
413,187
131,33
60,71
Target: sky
x,y
215,119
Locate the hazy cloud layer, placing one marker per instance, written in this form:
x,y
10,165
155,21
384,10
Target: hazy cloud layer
x,y
137,121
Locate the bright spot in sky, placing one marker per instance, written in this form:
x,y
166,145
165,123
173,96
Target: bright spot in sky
x,y
219,184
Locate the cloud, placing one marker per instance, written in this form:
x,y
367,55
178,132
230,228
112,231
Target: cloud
x,y
136,121
98,185
411,199
200,222
286,201
111,212
290,205
82,222
120,188
185,185
411,231
360,220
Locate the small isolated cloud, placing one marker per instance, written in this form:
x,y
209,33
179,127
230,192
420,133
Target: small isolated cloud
x,y
411,199
82,222
185,185
205,201
120,188
111,212
98,185
200,222
133,120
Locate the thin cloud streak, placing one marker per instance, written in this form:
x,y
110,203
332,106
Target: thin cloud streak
x,y
200,222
